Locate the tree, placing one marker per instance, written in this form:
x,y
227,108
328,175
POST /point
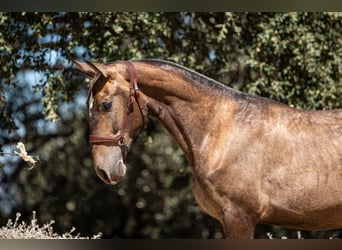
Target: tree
x,y
291,57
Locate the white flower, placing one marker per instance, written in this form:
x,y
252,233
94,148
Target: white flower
x,y
23,154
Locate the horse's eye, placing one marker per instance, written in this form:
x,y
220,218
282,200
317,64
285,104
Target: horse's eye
x,y
107,106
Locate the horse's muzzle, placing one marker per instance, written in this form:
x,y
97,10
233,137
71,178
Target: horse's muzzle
x,y
112,175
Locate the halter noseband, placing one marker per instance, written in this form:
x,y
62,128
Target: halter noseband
x,y
134,96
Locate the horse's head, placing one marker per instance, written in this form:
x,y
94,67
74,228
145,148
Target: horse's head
x,y
116,112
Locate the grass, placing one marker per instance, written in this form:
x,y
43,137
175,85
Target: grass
x,y
21,230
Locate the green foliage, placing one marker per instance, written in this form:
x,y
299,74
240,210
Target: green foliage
x,y
297,57
291,57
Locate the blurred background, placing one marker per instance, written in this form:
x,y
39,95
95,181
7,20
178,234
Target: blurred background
x,y
295,58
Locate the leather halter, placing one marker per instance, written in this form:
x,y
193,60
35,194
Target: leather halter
x,y
134,96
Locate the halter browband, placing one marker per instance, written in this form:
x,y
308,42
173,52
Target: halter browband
x,y
134,96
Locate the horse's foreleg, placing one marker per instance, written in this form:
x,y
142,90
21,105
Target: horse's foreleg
x,y
238,224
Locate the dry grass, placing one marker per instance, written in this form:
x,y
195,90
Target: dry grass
x,y
299,236
22,230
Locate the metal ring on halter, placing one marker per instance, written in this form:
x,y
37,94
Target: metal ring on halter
x,y
123,145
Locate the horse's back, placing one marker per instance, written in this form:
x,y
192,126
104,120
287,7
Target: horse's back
x,y
306,188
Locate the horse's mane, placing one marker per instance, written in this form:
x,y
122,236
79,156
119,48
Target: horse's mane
x,y
206,83
190,75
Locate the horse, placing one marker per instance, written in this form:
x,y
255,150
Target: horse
x,y
254,160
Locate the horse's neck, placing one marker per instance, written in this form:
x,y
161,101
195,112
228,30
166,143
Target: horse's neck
x,y
184,108
163,85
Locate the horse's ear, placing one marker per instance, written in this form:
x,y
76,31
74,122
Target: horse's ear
x,y
90,68
85,68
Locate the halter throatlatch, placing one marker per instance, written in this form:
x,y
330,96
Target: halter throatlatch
x,y
134,96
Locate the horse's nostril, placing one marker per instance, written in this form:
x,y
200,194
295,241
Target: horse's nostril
x,y
103,175
107,177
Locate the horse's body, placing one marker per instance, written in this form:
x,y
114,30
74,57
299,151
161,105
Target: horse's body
x,y
253,160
